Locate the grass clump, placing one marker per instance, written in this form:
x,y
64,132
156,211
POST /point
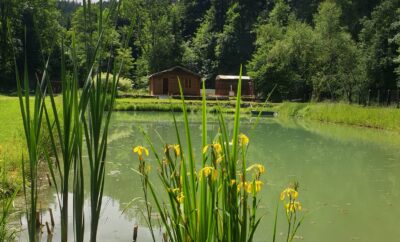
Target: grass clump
x,y
7,197
373,117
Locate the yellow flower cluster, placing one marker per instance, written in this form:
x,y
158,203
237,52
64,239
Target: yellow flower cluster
x,y
175,148
290,193
209,171
292,206
217,148
249,187
140,150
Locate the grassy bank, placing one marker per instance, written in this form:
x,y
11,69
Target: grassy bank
x,y
161,105
341,113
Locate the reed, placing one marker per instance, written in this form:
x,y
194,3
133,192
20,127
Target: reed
x,y
85,122
32,122
80,121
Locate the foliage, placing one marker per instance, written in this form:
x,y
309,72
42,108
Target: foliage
x,y
125,60
396,39
124,84
85,31
214,200
214,37
339,62
38,19
156,34
299,59
379,51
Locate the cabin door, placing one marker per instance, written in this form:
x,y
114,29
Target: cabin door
x,y
165,86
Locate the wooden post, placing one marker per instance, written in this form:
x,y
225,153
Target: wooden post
x,y
38,223
135,232
388,97
48,228
51,217
48,179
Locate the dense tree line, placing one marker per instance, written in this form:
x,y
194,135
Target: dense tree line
x,y
308,49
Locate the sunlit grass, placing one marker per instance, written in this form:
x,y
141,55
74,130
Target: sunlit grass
x,y
372,117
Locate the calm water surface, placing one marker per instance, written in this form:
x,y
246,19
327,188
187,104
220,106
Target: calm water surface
x,y
349,177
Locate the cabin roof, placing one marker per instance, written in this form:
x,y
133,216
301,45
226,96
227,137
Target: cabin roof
x,y
230,77
175,68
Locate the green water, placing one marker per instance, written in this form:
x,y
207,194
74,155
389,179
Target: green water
x,y
349,177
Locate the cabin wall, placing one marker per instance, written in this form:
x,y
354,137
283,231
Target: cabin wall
x,y
156,84
222,87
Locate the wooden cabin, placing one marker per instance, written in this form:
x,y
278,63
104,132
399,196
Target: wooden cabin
x,y
166,82
226,85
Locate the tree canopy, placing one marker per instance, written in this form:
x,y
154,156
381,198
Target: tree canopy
x,y
307,49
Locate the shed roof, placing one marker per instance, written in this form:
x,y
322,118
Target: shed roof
x,y
175,68
230,77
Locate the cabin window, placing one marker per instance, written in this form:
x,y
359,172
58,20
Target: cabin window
x,y
188,83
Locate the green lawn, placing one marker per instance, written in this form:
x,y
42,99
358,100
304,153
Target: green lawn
x,y
11,137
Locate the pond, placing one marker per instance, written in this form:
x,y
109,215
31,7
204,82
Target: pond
x,y
349,177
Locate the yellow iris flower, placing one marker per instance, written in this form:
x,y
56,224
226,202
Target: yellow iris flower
x,y
216,146
140,150
290,193
180,197
293,207
243,140
257,167
207,171
258,185
176,149
219,159
247,186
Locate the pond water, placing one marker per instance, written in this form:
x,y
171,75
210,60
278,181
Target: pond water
x,y
349,177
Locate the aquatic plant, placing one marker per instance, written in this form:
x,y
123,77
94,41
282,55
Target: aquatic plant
x,y
32,122
83,117
214,199
292,206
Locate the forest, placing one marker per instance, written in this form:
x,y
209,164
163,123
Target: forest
x,y
306,49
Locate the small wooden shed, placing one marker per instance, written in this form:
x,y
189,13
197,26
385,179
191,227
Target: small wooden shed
x,y
166,82
227,83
